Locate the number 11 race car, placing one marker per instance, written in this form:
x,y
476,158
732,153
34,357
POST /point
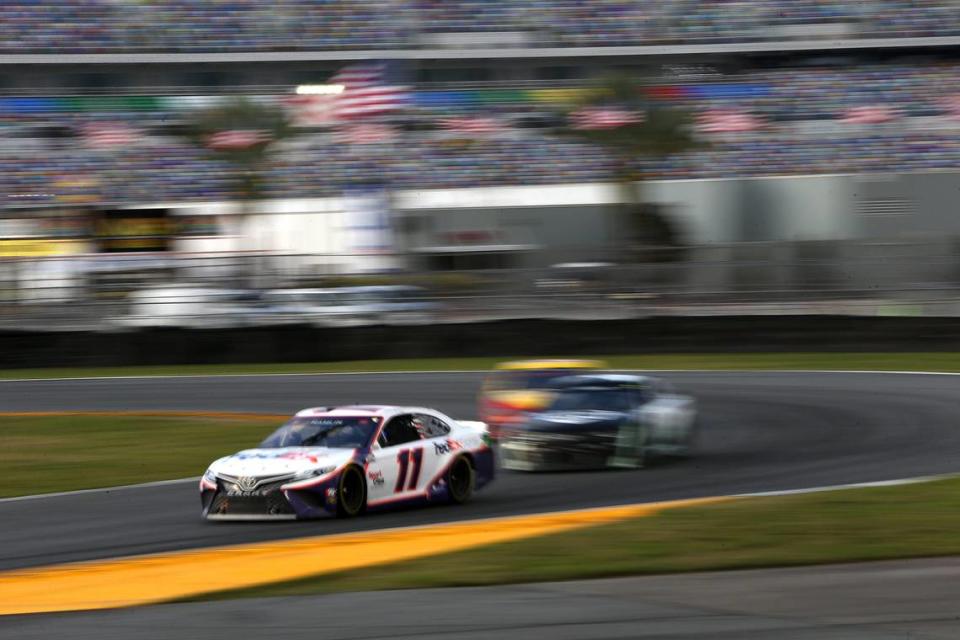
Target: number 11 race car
x,y
343,460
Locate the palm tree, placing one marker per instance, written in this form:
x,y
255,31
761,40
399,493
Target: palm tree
x,y
241,132
632,129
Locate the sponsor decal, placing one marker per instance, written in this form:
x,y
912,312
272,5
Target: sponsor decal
x,y
245,486
376,477
277,455
299,455
331,495
256,456
445,447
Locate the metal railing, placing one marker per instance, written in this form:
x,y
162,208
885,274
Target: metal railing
x,y
102,292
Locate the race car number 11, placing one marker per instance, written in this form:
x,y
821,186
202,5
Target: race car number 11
x,y
405,458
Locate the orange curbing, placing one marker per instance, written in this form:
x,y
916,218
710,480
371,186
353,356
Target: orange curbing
x,y
156,578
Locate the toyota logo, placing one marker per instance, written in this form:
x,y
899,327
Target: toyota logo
x,y
247,483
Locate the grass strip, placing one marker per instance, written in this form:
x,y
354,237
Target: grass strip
x,y
947,362
839,526
65,453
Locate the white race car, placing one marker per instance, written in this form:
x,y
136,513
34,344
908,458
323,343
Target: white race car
x,y
344,460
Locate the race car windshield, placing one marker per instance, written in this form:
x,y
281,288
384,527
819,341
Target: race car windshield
x,y
592,400
337,433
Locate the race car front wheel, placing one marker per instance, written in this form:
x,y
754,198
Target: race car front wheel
x,y
351,493
460,480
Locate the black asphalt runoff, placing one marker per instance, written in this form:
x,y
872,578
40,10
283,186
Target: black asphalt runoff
x,y
761,431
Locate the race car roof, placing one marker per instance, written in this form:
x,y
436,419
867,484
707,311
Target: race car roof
x,y
385,410
352,410
612,380
522,365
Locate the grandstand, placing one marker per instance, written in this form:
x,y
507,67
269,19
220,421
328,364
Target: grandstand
x,y
826,123
870,92
104,26
800,123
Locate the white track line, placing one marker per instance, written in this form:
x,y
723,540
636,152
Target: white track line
x,y
855,485
244,375
462,371
124,487
756,494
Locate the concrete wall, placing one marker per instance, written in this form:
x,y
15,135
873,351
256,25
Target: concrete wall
x,y
758,209
579,222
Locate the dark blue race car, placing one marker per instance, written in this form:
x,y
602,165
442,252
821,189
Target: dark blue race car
x,y
601,421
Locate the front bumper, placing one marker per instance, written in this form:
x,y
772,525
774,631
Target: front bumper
x,y
268,502
554,454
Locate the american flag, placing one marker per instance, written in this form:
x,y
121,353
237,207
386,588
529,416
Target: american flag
x,y
368,133
103,135
310,111
236,139
726,121
870,115
471,125
366,92
590,118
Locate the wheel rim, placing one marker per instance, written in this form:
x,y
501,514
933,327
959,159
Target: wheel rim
x,y
460,478
351,493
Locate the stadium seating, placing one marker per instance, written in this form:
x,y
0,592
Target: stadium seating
x,y
98,26
801,114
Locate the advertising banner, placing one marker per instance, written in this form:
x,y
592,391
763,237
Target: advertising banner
x,y
133,230
367,229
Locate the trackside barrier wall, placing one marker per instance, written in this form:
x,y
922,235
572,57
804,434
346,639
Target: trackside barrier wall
x,y
21,349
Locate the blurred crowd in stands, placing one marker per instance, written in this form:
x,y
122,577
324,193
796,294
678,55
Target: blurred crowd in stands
x,y
800,123
97,26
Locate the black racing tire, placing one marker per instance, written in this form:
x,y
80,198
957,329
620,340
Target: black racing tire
x,y
461,479
644,455
351,493
636,458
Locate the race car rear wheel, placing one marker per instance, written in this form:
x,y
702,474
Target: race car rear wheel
x,y
632,448
461,479
351,493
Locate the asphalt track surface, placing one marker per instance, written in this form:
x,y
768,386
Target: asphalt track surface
x,y
761,431
902,600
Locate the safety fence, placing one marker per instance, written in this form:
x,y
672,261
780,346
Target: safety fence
x,y
571,283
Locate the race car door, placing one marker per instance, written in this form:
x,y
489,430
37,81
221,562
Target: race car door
x,y
396,470
438,450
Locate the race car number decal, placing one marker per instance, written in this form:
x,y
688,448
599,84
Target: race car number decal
x,y
405,458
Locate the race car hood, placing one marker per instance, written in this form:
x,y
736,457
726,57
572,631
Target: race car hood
x,y
575,420
524,400
275,462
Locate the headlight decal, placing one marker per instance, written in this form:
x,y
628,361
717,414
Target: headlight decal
x,y
311,478
208,481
